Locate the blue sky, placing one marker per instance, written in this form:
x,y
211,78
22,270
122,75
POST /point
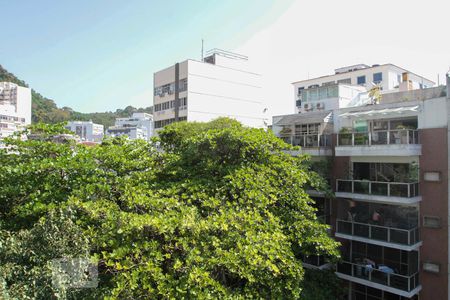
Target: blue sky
x,y
101,55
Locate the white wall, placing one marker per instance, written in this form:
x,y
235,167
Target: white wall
x,y
24,103
433,114
215,91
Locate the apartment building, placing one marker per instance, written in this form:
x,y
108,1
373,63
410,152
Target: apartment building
x,y
350,80
87,131
388,164
219,86
15,108
138,126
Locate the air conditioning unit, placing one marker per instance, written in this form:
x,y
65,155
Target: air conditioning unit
x,y
307,106
320,105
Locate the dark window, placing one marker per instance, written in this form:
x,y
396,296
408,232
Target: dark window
x,y
345,81
361,80
377,77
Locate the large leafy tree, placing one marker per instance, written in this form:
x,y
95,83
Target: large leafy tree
x,y
217,210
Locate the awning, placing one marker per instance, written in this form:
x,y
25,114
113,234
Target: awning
x,y
381,112
306,118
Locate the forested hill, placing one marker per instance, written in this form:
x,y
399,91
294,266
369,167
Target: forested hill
x,y
45,110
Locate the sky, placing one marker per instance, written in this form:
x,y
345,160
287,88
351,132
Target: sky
x,y
100,55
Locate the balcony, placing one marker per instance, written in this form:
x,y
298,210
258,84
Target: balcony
x,y
403,239
378,191
313,144
382,277
318,262
400,142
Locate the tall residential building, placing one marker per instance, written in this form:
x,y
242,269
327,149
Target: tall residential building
x,y
15,108
87,130
138,126
218,86
388,163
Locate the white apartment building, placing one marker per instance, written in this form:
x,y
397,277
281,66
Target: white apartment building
x,y
15,108
310,93
218,86
87,130
138,126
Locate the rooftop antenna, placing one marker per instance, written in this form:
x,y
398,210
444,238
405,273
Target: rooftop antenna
x,y
202,49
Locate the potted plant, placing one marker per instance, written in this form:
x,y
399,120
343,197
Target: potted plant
x,y
361,138
345,136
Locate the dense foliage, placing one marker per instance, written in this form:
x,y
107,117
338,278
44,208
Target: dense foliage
x,y
217,211
45,110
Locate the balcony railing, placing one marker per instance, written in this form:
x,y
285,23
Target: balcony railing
x,y
380,233
383,275
379,188
314,260
309,140
384,137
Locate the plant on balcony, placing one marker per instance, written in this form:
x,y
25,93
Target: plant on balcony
x,y
286,131
375,94
361,139
345,136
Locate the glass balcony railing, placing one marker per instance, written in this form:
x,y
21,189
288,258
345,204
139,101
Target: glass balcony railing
x,y
309,140
382,275
385,137
379,188
380,233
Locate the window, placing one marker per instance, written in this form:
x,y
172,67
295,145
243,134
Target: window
x,y
345,81
377,77
328,83
301,129
361,80
300,89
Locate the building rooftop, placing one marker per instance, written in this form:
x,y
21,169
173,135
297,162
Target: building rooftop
x,y
359,67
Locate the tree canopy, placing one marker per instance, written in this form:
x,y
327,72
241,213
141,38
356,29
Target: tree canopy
x,y
207,211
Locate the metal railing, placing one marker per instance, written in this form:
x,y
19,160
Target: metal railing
x,y
379,233
382,137
309,140
366,272
314,260
379,188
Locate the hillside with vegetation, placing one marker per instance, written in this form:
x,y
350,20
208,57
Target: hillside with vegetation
x,y
45,110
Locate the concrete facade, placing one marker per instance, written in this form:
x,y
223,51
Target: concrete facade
x,y
138,126
220,86
389,77
87,130
15,108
